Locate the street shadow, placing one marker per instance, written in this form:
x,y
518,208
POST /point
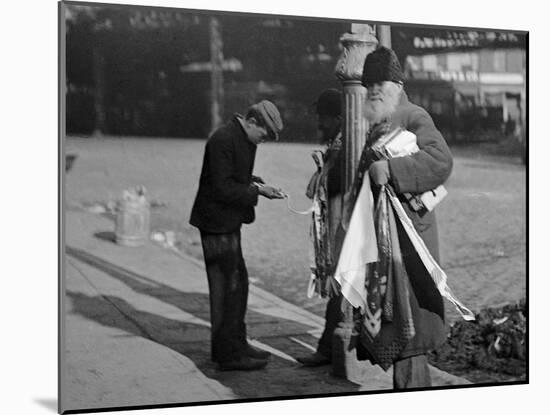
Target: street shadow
x,y
106,236
69,161
281,378
115,312
195,303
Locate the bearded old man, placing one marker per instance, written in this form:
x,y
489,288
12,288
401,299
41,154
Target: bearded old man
x,y
388,108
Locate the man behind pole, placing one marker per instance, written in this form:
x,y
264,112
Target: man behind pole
x,y
227,195
387,108
325,187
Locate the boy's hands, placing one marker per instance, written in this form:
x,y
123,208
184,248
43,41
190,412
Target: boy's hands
x,y
271,192
267,191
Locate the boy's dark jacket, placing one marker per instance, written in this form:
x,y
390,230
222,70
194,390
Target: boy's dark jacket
x,y
226,196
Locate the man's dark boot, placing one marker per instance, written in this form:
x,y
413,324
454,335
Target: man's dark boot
x,y
315,359
244,363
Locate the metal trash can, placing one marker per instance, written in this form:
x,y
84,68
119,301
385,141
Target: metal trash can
x,y
132,225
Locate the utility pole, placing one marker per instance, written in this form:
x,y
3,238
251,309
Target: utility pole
x,y
99,90
216,74
357,44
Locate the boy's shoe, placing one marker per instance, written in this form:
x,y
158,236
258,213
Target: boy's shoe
x,y
315,359
256,353
244,363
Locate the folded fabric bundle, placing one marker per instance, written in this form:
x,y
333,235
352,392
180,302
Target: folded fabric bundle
x,y
399,143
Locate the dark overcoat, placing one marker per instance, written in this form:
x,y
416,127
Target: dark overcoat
x,y
226,196
416,174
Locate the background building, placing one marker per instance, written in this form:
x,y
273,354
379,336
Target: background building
x,y
144,71
475,91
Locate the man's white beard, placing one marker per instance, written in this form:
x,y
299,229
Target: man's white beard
x,y
377,110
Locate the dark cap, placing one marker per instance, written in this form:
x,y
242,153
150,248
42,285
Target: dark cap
x,y
382,65
329,103
271,117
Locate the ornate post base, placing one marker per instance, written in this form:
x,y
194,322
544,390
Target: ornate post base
x,y
344,358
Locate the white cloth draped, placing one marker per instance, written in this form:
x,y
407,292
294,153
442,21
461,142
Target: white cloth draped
x,y
359,248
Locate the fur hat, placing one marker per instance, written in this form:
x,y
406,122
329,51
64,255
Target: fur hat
x,y
381,65
329,103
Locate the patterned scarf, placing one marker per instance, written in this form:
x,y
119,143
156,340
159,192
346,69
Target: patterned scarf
x,y
387,292
322,253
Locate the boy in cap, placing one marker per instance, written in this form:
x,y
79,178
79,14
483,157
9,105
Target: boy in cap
x,y
386,108
227,195
325,187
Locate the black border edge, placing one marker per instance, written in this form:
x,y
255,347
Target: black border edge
x,y
61,240
527,144
286,398
61,86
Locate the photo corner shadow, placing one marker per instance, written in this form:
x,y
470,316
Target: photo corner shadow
x,y
48,403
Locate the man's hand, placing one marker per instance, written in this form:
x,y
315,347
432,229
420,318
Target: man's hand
x,y
271,192
379,172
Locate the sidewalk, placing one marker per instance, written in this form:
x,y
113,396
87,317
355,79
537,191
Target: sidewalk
x,y
136,331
